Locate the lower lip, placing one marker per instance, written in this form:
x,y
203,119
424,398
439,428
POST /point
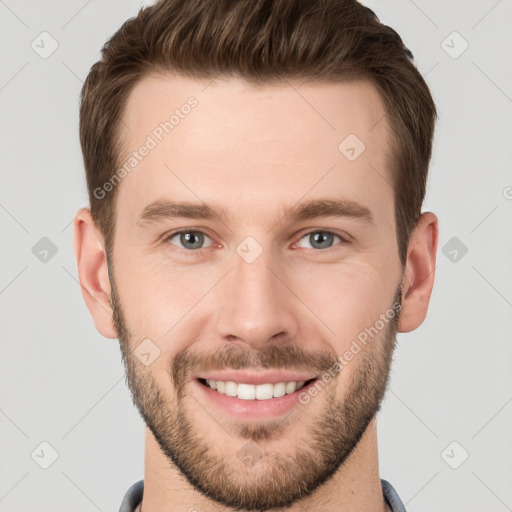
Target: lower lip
x,y
252,408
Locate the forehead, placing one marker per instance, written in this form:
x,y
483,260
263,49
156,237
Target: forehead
x,y
270,143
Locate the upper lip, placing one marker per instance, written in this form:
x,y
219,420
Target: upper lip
x,y
257,377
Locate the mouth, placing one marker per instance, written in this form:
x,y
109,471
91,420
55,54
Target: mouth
x,y
255,392
249,402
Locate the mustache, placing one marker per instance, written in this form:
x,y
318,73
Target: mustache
x,y
234,357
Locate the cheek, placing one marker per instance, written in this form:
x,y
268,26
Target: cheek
x,y
156,298
348,299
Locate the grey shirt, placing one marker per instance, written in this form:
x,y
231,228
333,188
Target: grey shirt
x,y
133,497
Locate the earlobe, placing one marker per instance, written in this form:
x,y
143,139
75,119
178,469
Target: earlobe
x,y
92,265
419,272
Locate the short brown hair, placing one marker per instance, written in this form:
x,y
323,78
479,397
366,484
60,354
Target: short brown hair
x,y
262,41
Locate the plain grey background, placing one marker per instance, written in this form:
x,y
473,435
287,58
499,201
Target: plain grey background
x,y
445,435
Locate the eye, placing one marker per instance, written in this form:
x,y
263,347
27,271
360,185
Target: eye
x,y
321,239
192,240
188,239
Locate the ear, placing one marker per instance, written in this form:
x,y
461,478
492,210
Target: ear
x,y
91,258
419,272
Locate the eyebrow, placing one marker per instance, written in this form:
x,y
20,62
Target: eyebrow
x,y
163,209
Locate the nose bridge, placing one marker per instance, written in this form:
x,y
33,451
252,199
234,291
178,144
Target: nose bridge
x,y
254,305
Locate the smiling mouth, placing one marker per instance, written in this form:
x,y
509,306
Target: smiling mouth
x,y
245,391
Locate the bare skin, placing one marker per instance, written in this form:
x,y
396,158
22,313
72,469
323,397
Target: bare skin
x,y
255,152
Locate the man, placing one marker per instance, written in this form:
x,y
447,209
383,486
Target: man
x,y
255,240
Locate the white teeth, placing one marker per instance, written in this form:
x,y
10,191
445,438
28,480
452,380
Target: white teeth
x,y
264,391
279,389
290,387
254,392
231,388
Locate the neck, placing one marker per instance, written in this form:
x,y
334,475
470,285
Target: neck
x,y
355,487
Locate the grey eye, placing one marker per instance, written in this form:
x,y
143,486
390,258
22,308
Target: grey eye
x,y
320,239
192,240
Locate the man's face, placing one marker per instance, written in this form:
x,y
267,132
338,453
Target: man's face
x,y
256,290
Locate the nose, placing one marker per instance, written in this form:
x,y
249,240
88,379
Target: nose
x,y
255,306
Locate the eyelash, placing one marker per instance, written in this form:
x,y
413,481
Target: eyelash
x,y
194,252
